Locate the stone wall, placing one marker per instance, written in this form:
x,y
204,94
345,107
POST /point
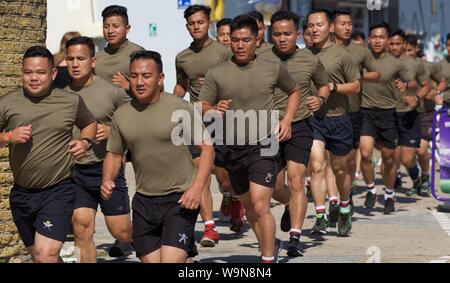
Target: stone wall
x,y
22,24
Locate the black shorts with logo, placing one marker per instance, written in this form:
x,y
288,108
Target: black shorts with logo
x,y
219,160
88,179
426,125
298,148
409,129
160,221
47,211
357,121
382,125
335,132
247,164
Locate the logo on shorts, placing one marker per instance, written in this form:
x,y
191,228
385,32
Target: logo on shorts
x,y
48,225
183,238
269,178
396,142
413,142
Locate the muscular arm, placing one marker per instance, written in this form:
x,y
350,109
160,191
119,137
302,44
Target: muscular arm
x,y
371,76
180,89
352,88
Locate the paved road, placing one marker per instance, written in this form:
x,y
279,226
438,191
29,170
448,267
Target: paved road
x,y
416,232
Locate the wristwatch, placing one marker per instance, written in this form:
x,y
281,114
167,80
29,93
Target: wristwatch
x,y
89,141
324,99
334,88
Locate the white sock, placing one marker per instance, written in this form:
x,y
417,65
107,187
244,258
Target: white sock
x,y
264,258
371,188
211,222
389,194
333,199
226,194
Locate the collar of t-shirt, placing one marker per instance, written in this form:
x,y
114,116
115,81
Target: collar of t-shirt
x,y
109,49
285,57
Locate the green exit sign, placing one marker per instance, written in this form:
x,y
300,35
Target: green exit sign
x,y
153,30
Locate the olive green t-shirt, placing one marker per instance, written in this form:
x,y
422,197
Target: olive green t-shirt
x,y
263,48
307,70
110,61
365,61
251,89
341,69
44,160
417,69
426,105
192,65
381,94
102,99
161,167
441,72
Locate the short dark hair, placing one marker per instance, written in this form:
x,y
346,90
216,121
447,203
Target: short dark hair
x,y
223,22
82,40
244,21
39,51
257,16
148,55
286,15
412,39
341,12
197,8
398,32
358,34
384,25
116,10
448,36
318,11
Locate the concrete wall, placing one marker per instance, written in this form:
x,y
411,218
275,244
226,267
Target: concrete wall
x,y
22,24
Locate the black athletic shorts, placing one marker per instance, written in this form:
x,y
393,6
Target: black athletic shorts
x,y
160,221
446,104
409,129
335,132
220,150
247,164
298,148
382,125
357,121
88,179
47,211
426,125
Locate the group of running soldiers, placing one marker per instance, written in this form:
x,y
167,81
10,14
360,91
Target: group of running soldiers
x,y
336,101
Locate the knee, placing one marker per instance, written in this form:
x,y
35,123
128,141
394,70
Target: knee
x,y
318,167
224,183
122,235
82,231
296,183
261,209
47,255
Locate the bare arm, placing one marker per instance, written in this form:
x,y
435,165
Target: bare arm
x,y
352,88
111,167
79,148
180,89
192,197
371,76
285,126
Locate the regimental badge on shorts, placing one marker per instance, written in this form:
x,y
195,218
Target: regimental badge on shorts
x,y
183,239
269,178
48,225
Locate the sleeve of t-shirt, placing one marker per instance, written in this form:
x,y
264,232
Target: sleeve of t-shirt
x,y
84,116
349,68
285,81
116,143
404,73
209,89
422,74
320,77
120,98
181,75
227,54
369,61
2,116
196,123
436,74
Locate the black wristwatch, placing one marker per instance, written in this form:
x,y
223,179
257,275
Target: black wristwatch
x,y
89,141
334,88
324,99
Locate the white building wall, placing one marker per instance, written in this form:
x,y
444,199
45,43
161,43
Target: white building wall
x,y
172,36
